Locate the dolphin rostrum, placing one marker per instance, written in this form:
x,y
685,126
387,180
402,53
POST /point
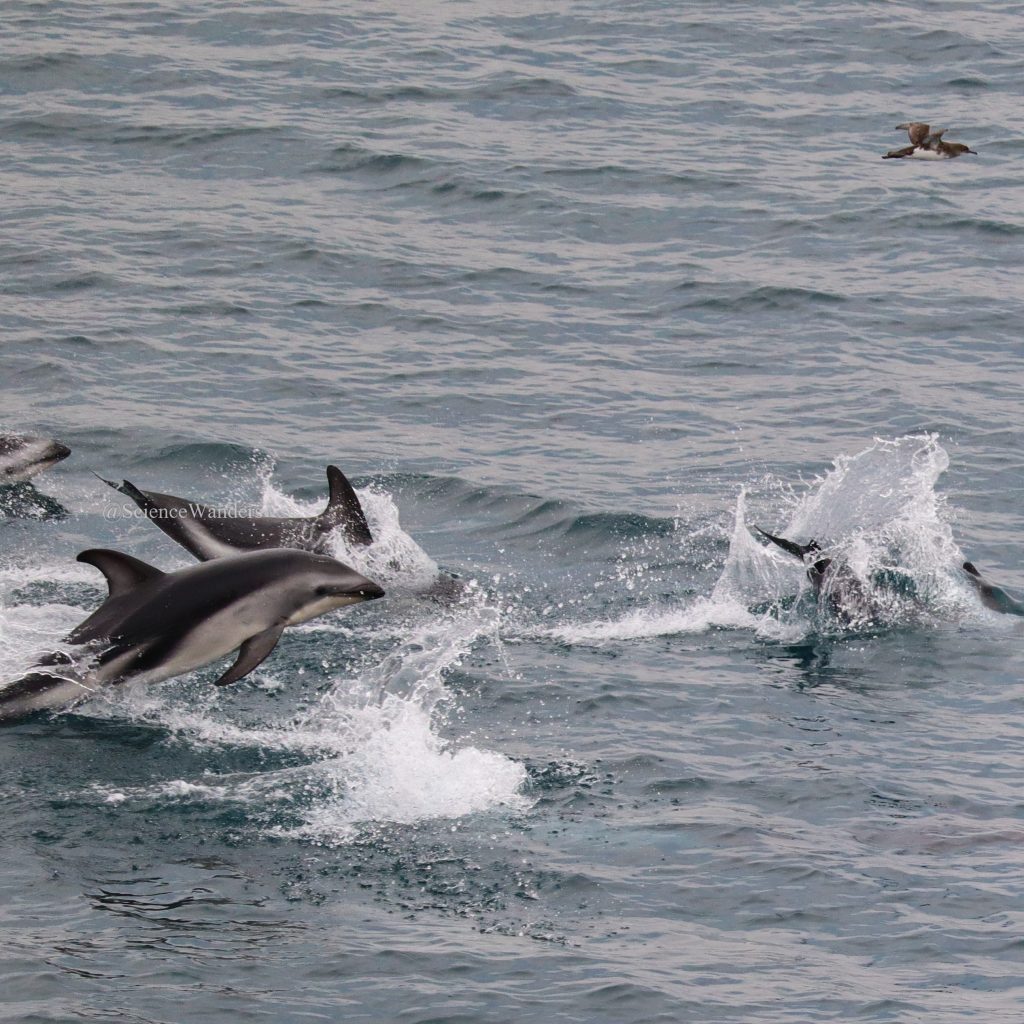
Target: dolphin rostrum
x,y
22,456
215,533
156,625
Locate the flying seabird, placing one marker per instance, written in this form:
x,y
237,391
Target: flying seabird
x,y
926,144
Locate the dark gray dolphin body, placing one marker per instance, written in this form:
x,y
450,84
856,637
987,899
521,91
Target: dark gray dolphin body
x,y
215,533
846,594
993,597
835,585
22,456
210,533
156,625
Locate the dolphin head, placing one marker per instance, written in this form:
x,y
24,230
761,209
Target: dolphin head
x,y
23,456
321,583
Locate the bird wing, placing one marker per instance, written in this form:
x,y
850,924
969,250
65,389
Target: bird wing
x,y
918,132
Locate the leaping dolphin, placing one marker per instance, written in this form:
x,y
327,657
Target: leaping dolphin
x,y
22,456
992,597
156,625
215,533
210,533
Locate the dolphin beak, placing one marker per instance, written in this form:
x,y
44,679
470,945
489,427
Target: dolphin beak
x,y
59,451
370,591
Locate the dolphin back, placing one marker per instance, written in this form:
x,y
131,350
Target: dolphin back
x,y
992,597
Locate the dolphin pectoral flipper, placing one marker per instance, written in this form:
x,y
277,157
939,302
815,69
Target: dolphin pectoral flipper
x,y
344,510
123,572
254,651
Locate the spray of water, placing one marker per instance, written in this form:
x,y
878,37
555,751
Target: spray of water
x,y
371,749
393,559
876,514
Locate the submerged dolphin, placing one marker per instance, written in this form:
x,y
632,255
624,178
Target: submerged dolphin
x,y
215,533
156,625
993,597
22,456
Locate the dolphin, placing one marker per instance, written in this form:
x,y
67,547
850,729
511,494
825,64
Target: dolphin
x,y
834,582
816,569
210,533
993,597
22,456
154,625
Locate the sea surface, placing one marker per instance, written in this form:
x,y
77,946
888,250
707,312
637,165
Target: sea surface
x,y
577,294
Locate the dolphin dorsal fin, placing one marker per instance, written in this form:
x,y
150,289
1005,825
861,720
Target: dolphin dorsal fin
x,y
343,509
123,572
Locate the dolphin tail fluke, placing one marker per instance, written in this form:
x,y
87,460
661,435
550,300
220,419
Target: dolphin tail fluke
x,y
344,510
139,497
799,550
129,489
103,479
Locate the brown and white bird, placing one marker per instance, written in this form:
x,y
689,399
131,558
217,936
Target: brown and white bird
x,y
926,144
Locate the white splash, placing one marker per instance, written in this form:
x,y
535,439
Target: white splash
x,y
393,558
28,630
876,511
373,742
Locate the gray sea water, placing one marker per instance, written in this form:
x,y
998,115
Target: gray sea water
x,y
577,294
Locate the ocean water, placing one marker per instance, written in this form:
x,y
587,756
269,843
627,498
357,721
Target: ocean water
x,y
578,295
